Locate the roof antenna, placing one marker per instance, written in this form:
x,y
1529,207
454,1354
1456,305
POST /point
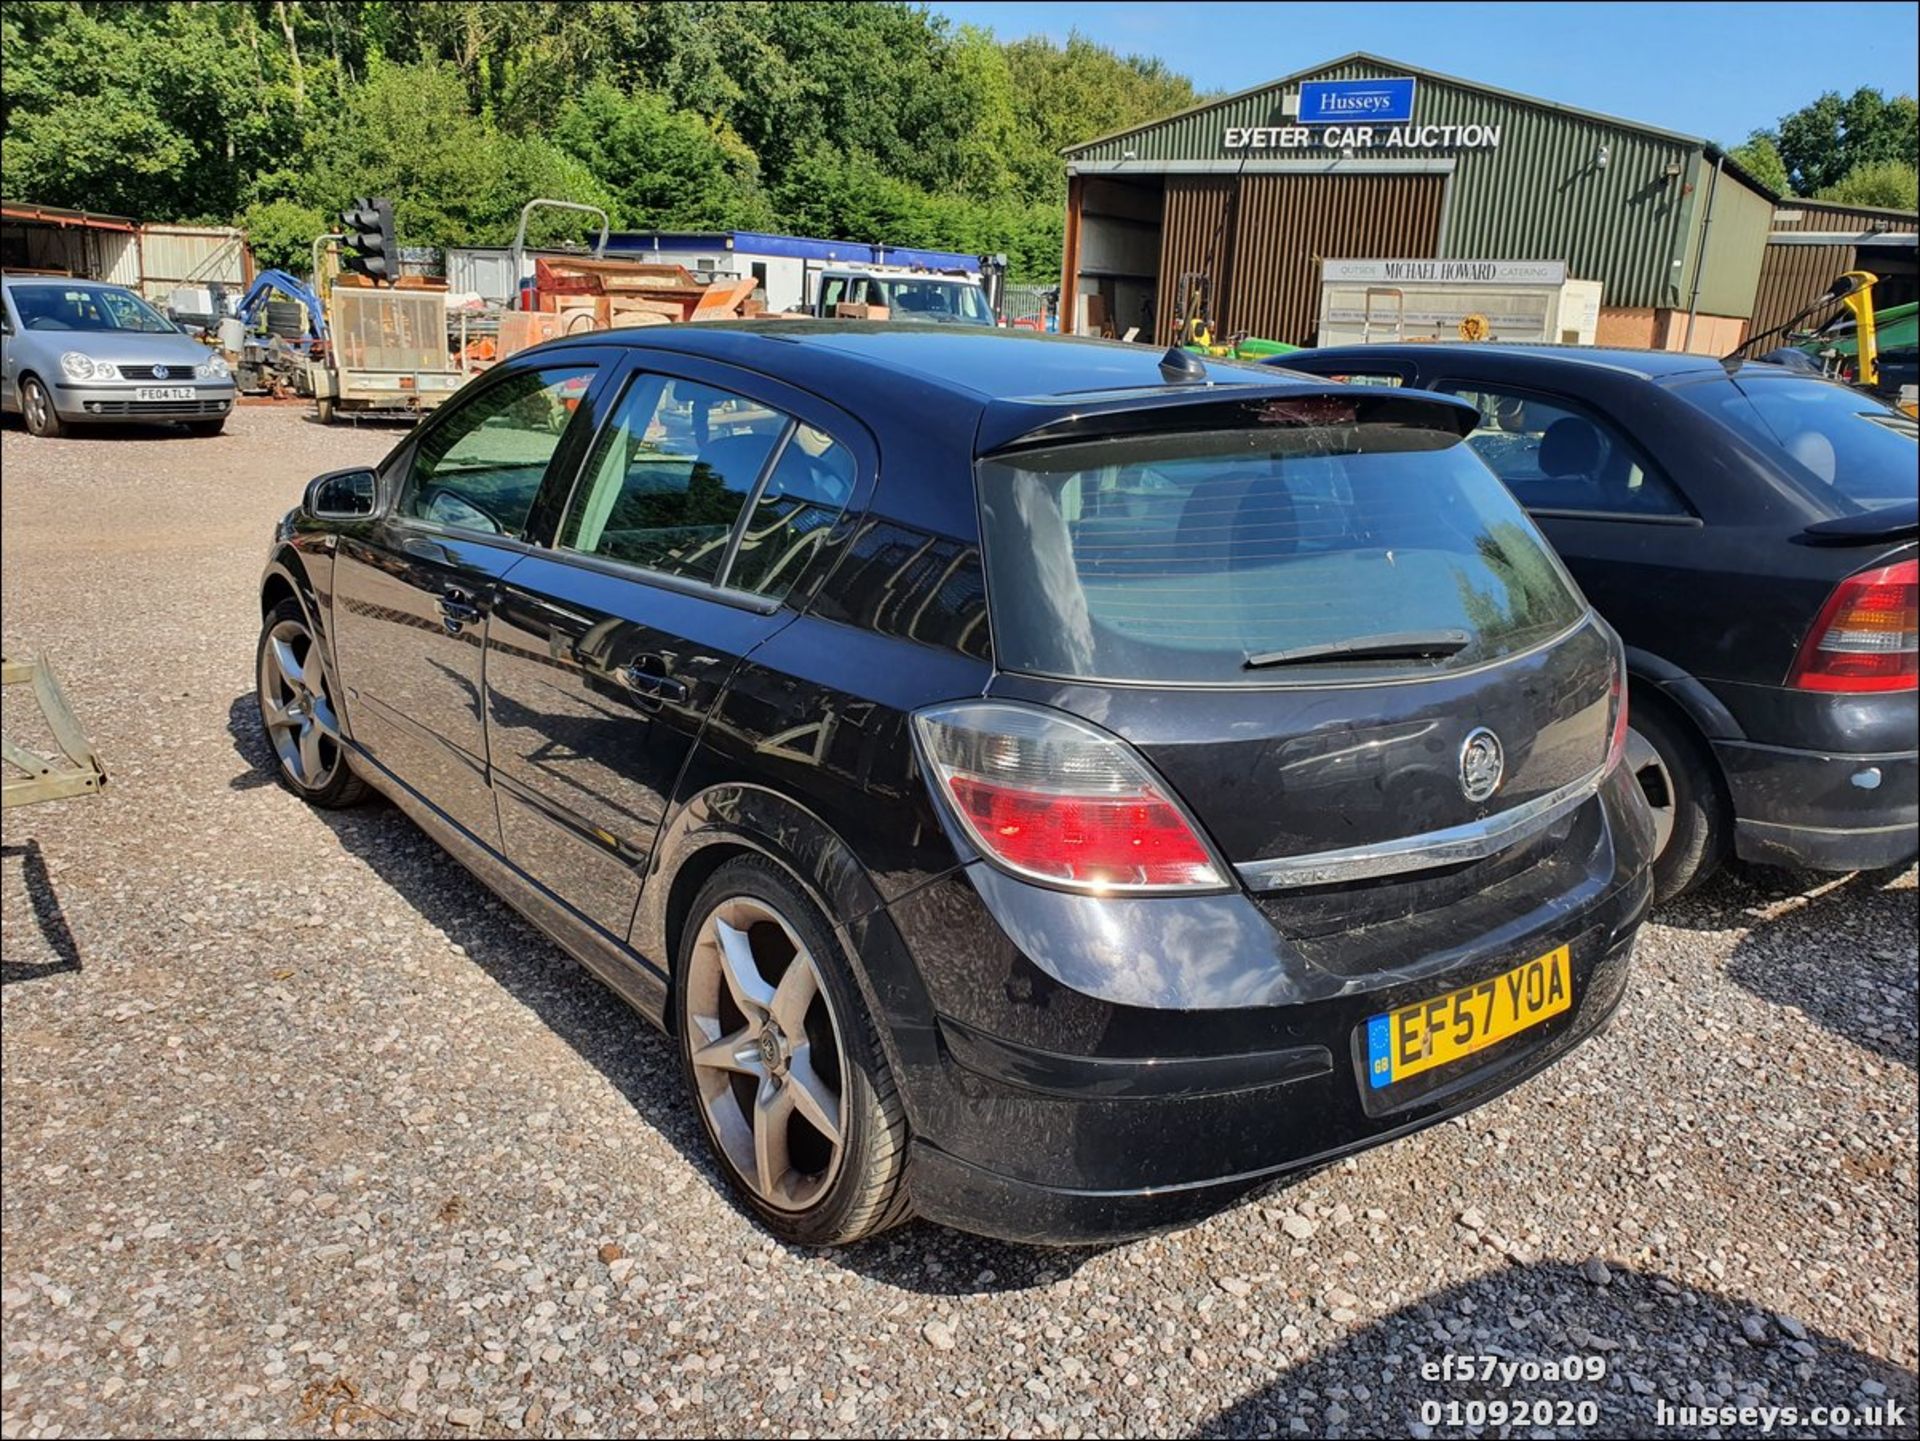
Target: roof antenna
x,y
1182,367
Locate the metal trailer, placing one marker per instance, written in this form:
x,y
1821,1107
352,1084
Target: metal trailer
x,y
386,352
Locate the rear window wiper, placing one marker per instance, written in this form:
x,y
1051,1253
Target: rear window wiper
x,y
1399,645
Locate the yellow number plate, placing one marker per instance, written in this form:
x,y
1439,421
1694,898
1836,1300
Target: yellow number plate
x,y
1433,1033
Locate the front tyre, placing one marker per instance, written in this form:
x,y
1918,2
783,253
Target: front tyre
x,y
298,713
783,1064
37,412
206,429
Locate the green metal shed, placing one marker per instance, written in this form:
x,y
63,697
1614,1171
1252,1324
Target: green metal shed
x,y
1259,187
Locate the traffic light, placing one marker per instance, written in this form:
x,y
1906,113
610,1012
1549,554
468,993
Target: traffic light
x,y
370,247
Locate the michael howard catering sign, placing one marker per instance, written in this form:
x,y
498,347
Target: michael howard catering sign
x,y
1329,102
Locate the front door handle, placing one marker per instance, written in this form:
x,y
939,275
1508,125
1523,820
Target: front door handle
x,y
457,609
646,681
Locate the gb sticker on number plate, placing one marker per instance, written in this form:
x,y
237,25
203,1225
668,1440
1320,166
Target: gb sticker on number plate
x,y
1416,1038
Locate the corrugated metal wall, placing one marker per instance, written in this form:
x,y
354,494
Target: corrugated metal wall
x,y
1825,215
1188,223
180,255
1791,277
1541,194
1736,244
1285,225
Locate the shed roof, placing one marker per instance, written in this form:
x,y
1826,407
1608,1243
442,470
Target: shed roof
x,y
1401,67
23,210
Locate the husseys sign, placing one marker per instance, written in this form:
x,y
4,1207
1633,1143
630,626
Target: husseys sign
x,y
1360,115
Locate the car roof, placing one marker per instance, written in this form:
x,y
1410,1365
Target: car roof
x,y
976,363
10,279
1647,364
1021,384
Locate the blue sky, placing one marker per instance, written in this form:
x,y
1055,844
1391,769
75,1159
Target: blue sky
x,y
1714,70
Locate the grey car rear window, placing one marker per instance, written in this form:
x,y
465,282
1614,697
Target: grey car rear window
x,y
1177,557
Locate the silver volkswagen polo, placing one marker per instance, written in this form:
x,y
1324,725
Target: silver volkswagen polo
x,y
84,352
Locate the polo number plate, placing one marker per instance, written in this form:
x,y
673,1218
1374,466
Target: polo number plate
x,y
164,392
1449,1028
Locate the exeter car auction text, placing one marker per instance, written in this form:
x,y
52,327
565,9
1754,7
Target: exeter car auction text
x,y
1363,137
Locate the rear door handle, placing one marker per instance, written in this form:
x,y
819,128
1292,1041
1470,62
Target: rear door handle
x,y
652,683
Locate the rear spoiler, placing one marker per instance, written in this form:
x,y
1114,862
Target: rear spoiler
x,y
1869,527
1059,419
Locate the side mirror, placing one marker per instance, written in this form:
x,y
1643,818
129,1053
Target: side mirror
x,y
342,495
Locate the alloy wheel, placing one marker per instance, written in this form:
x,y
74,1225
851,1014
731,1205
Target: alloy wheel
x,y
37,407
1656,784
295,705
766,1053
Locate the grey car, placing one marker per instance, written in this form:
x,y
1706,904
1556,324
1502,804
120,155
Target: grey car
x,y
84,352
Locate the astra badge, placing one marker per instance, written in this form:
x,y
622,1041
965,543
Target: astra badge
x,y
1482,764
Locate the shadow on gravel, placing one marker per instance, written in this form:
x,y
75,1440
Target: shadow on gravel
x,y
1845,959
1659,1342
243,726
624,1047
1836,948
48,915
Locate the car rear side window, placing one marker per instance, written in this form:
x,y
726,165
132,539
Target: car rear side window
x,y
1844,446
1557,458
677,473
1182,557
809,486
480,466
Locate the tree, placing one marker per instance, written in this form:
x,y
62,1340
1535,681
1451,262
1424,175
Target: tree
x,y
1822,143
666,168
1760,158
879,122
1888,184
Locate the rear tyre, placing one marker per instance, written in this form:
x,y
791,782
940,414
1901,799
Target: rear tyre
x,y
1692,821
298,714
783,1063
37,412
324,409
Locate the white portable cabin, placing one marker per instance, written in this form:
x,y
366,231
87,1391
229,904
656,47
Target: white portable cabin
x,y
1372,301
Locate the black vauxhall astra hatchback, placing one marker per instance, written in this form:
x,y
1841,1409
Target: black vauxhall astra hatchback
x,y
1041,791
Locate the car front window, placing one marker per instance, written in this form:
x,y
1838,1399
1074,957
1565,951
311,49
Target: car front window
x,y
87,309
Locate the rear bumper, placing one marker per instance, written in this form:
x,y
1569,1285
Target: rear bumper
x,y
1223,1055
1310,1122
1819,810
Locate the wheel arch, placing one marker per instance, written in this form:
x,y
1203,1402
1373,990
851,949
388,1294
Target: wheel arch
x,y
733,819
1699,707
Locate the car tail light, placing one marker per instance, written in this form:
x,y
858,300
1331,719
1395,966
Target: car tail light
x,y
1867,636
1617,709
1056,800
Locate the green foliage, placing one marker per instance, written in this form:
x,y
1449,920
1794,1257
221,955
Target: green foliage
x,y
667,169
1760,158
1827,141
1889,184
859,121
281,233
1822,147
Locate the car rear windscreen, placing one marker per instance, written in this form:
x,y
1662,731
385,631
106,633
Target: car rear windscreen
x,y
1200,558
1843,445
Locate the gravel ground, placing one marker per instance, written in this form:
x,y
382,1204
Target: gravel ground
x,y
307,1134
